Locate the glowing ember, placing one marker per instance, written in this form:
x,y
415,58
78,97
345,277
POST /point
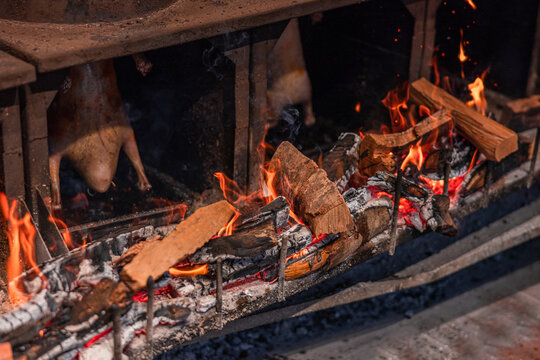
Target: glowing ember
x,y
188,271
477,92
471,3
462,57
21,233
357,107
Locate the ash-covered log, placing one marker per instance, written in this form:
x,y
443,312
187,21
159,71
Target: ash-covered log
x,y
522,114
492,139
314,197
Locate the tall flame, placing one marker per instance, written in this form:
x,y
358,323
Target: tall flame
x,y
462,57
396,102
477,92
471,3
21,233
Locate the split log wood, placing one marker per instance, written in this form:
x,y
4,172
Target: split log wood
x,y
375,149
342,161
445,223
314,197
522,114
326,257
492,139
188,237
372,221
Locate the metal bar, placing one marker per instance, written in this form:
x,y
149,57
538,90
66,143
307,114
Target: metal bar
x,y
219,292
530,178
447,159
282,263
149,315
117,334
395,213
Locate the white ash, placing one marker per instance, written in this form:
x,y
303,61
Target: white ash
x,y
89,275
205,303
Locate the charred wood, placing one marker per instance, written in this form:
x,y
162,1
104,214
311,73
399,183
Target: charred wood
x,y
342,160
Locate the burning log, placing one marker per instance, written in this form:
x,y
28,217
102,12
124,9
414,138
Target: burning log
x,y
375,149
492,139
189,236
314,197
342,161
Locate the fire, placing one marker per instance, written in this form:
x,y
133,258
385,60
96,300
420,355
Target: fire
x,y
357,107
462,57
188,271
21,233
65,234
477,92
415,156
471,3
396,102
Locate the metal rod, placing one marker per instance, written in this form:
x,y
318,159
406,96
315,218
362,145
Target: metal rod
x,y
219,291
395,214
149,315
117,333
530,179
447,160
487,183
282,263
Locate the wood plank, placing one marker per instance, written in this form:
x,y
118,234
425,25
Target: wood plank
x,y
192,233
54,46
494,140
14,72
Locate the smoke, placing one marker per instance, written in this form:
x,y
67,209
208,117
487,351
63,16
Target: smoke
x,y
213,60
291,116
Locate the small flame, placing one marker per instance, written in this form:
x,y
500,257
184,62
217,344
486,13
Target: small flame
x,y
462,57
188,271
471,3
415,156
65,233
477,92
21,233
357,107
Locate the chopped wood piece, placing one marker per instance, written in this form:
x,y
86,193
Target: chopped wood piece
x,y
245,243
183,241
326,257
445,223
375,149
494,140
525,111
373,221
342,161
313,196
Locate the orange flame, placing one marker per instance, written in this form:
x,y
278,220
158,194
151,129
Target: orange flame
x,y
462,57
415,156
357,107
188,271
477,92
65,234
471,3
21,233
396,101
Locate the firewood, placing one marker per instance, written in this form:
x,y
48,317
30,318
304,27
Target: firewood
x,y
445,223
372,221
522,114
187,238
326,257
245,243
134,250
494,140
313,196
375,149
342,161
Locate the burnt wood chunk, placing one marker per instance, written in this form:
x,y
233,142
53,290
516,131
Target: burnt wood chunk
x,y
342,161
325,258
245,243
134,250
376,149
522,114
373,221
314,197
188,237
441,206
494,140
